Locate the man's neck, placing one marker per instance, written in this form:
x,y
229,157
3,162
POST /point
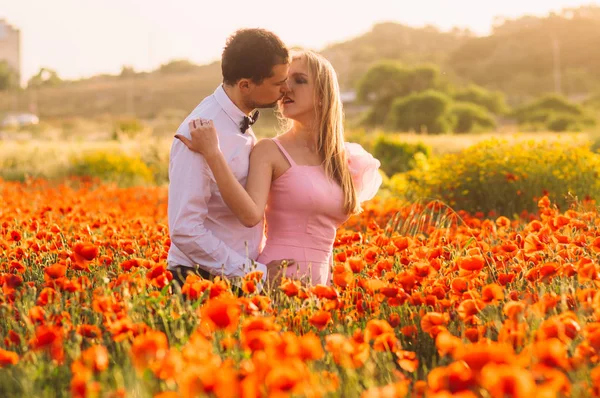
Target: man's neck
x,y
235,97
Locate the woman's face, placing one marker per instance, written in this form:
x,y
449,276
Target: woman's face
x,y
299,102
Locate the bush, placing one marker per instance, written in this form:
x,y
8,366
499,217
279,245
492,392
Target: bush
x,y
555,113
426,111
551,103
508,178
471,117
564,122
397,156
112,167
493,101
127,127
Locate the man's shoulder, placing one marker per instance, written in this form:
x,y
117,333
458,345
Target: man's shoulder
x,y
209,108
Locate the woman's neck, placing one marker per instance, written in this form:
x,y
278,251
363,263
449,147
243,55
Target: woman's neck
x,y
307,135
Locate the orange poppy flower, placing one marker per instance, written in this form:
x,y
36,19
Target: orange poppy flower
x,y
96,358
87,251
508,380
469,308
471,263
147,349
8,358
398,389
222,313
310,347
454,378
342,276
55,271
50,339
320,319
89,331
432,319
290,287
513,309
478,355
533,244
327,292
492,293
357,264
375,328
447,344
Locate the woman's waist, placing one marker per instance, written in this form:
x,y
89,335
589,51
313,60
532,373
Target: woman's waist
x,y
300,240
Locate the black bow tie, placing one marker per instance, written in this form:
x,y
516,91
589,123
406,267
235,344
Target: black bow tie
x,y
248,121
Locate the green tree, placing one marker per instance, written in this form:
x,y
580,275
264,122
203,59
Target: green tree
x,y
397,156
469,117
383,81
426,111
178,66
555,113
387,80
493,101
127,71
45,78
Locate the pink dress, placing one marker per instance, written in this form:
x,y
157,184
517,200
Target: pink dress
x,y
305,208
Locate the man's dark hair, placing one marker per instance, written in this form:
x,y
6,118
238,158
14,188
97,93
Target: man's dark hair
x,y
252,54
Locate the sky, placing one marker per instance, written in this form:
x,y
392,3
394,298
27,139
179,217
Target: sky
x,y
80,38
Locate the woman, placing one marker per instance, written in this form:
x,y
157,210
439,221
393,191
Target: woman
x,y
307,181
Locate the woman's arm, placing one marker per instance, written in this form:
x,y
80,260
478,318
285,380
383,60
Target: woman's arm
x,y
248,204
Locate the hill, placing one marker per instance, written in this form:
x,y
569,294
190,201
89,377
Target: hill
x,y
523,57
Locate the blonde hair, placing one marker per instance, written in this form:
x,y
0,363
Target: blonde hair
x,y
330,117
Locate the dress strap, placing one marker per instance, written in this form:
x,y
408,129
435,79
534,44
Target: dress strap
x,y
285,153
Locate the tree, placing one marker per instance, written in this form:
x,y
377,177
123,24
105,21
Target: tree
x,y
542,107
45,78
8,77
469,117
493,101
387,80
127,71
383,81
427,111
178,66
397,156
555,113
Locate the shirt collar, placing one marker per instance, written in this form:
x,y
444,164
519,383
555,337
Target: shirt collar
x,y
234,113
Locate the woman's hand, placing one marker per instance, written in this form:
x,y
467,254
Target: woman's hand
x,y
204,138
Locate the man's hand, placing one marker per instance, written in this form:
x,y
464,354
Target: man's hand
x,y
204,138
276,270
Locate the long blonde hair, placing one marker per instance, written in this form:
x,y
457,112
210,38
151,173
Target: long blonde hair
x,y
330,118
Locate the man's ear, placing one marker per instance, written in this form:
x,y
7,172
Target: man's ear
x,y
244,85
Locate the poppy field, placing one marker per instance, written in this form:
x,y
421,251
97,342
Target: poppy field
x,y
424,302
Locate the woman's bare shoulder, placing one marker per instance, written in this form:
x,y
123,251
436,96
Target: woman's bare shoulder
x,y
265,149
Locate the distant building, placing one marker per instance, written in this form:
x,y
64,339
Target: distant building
x,y
10,46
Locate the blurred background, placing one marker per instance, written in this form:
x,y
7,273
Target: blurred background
x,y
430,77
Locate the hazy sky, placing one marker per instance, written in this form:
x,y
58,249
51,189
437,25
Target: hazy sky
x,y
85,37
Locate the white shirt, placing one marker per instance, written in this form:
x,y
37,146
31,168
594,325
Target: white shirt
x,y
203,230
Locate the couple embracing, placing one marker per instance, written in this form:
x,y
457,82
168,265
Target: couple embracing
x,y
224,184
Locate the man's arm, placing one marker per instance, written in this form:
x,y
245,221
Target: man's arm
x,y
189,193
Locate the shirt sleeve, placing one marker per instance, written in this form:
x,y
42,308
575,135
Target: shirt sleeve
x,y
189,193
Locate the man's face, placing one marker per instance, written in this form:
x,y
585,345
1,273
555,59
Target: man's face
x,y
271,90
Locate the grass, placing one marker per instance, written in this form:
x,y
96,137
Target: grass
x,y
52,158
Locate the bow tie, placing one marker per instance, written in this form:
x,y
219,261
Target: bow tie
x,y
248,121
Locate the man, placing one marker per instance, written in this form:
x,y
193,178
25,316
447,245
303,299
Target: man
x,y
206,238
